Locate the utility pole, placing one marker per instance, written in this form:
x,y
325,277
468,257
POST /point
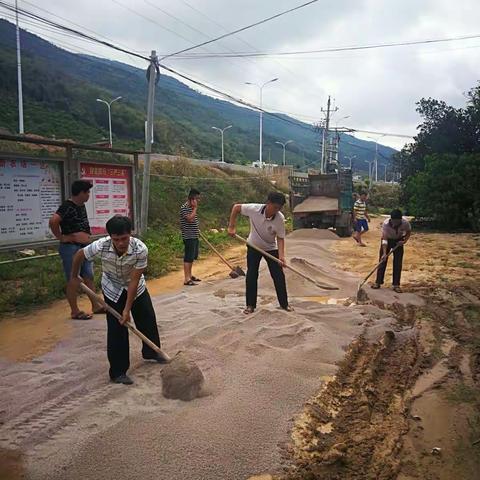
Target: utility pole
x,y
326,137
152,80
19,76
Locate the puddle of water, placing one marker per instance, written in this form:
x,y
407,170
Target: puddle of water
x,y
324,300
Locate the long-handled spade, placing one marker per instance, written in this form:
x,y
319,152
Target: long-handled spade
x,y
275,259
181,378
235,272
361,295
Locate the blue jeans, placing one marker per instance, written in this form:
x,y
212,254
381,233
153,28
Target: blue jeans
x,y
67,251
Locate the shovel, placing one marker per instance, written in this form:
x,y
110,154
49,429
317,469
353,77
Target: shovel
x,y
93,296
235,272
360,292
275,259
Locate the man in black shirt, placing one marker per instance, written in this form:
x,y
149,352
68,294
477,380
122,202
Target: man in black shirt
x,y
70,226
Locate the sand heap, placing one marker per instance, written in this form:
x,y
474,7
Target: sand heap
x,y
182,379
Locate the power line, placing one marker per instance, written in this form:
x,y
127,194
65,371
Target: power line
x,y
298,7
332,49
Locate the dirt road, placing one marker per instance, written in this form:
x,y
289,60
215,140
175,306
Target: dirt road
x,y
319,391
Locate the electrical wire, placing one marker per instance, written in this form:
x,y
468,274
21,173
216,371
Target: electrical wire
x,y
225,35
332,49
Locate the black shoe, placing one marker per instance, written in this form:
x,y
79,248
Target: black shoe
x,y
125,379
156,358
195,279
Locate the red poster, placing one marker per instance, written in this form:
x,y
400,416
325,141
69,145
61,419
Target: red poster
x,y
111,193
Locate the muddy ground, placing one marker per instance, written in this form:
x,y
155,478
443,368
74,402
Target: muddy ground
x,y
334,390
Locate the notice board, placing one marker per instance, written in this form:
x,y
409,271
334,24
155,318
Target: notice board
x,y
30,192
111,193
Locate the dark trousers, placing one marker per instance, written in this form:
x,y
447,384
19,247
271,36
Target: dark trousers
x,y
117,335
276,272
397,263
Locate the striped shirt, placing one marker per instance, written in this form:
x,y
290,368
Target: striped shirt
x,y
118,268
360,208
189,229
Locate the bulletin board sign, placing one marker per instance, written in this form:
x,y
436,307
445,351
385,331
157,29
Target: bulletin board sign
x,y
31,190
112,193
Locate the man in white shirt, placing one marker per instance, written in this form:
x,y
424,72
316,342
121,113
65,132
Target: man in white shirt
x,y
124,259
267,231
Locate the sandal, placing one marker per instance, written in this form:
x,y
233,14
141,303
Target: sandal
x,y
248,310
397,289
375,286
189,283
289,308
82,316
195,279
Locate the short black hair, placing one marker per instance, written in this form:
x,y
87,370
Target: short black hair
x,y
396,214
277,198
119,225
193,193
81,186
363,193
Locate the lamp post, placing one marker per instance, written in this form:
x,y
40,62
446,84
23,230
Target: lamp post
x,y
222,130
350,158
370,172
376,155
284,146
260,158
109,105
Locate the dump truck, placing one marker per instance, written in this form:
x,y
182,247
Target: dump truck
x,y
322,201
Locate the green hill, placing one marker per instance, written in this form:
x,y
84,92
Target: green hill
x,y
60,89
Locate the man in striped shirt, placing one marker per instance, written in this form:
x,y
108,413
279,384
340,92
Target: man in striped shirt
x,y
190,229
124,259
360,219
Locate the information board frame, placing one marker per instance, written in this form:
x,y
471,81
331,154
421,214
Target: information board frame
x,y
70,168
61,162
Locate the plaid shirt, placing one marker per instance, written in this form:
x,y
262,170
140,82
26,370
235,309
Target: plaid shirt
x,y
117,269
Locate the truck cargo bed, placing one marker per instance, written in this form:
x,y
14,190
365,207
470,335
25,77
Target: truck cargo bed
x,y
317,204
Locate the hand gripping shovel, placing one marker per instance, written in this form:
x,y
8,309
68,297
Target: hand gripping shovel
x,y
361,295
275,259
93,296
235,272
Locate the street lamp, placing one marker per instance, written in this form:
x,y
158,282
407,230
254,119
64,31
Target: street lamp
x,y
221,130
109,104
284,145
350,158
370,172
376,154
260,158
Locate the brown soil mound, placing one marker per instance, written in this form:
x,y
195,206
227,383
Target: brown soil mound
x,y
182,379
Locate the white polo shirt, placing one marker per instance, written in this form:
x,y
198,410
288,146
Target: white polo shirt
x,y
263,231
117,269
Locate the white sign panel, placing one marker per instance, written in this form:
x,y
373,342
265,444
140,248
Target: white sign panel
x,y
30,192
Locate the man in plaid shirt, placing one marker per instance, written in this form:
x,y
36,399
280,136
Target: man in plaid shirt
x,y
124,259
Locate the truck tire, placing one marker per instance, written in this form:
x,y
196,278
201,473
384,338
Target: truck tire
x,y
345,230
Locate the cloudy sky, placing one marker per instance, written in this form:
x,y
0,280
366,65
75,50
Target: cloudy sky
x,y
376,89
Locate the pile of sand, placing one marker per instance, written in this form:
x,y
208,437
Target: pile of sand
x,y
182,379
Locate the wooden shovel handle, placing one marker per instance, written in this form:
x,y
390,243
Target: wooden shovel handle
x,y
129,325
275,259
377,266
224,260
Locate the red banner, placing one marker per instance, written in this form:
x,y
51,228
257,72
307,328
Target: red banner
x,y
111,193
